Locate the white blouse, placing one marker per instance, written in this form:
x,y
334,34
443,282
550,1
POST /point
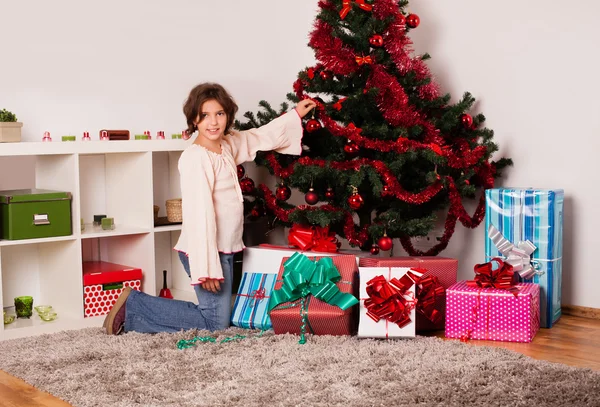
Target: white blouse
x,y
212,201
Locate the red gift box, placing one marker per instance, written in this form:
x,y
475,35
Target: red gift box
x,y
323,318
103,282
444,268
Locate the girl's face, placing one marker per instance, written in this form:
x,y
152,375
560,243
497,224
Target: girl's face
x,y
211,121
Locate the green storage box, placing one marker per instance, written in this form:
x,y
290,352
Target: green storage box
x,y
34,213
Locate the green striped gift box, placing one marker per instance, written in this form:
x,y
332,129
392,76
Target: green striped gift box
x,y
536,215
252,301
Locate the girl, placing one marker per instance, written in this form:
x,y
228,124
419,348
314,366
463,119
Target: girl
x,y
213,213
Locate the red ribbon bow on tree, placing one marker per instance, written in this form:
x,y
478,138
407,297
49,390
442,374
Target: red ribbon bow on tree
x,y
313,238
347,6
364,60
502,277
390,300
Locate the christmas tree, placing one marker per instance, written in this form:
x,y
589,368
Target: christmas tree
x,y
384,152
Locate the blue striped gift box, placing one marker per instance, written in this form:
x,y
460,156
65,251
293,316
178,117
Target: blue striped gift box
x,y
536,215
252,301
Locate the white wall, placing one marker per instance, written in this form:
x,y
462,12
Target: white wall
x,y
70,66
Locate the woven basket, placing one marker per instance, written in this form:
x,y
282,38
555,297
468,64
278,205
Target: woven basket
x,y
174,213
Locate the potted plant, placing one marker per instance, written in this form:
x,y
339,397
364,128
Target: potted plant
x,y
10,128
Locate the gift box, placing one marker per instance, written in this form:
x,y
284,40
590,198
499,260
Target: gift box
x,y
333,279
443,268
525,227
381,295
267,258
104,282
252,301
493,314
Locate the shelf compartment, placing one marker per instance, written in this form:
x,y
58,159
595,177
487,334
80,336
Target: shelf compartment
x,y
131,250
165,178
168,259
92,231
117,185
49,272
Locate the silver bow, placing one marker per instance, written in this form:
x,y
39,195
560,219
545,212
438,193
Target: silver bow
x,y
518,256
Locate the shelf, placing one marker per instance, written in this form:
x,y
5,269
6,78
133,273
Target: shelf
x,y
36,326
36,241
91,147
92,231
167,228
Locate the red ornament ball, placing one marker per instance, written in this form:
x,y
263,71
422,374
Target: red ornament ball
x,y
325,75
254,213
376,41
311,197
413,20
329,194
247,185
352,149
312,125
241,171
466,120
385,243
374,250
283,192
355,201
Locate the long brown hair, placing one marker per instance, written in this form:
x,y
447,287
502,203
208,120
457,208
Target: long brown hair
x,y
202,93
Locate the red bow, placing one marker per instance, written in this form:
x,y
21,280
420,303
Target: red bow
x,y
388,299
346,7
503,277
313,238
338,105
430,289
364,60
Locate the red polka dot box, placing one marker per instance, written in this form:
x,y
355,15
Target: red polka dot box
x,y
103,282
492,314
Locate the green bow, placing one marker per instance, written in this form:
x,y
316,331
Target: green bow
x,y
302,277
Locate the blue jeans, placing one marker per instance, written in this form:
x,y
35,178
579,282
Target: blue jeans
x,y
148,314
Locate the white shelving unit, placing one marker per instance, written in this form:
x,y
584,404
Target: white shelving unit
x,y
121,179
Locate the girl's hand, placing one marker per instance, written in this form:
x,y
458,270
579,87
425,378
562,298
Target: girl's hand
x,y
212,284
305,106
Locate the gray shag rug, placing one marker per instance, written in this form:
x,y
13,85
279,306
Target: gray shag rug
x,y
88,368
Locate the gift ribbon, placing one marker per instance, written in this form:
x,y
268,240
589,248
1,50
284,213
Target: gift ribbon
x,y
314,238
429,290
364,60
501,277
255,296
518,256
303,277
347,6
390,299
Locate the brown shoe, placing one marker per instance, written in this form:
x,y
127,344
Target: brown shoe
x,y
115,319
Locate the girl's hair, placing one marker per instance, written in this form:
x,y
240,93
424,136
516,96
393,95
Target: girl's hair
x,y
202,93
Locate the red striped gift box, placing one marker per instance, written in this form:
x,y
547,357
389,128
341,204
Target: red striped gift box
x,y
444,268
323,318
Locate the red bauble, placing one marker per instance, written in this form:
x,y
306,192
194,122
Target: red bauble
x,y
241,171
254,213
283,192
385,242
374,250
351,149
311,197
247,185
466,120
376,41
355,201
312,125
329,194
413,20
325,75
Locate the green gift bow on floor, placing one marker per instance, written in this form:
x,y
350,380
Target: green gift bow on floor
x,y
303,277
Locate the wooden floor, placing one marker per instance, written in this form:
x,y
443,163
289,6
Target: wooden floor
x,y
573,341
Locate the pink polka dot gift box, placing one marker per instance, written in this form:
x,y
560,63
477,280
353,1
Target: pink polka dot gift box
x,y
103,282
492,314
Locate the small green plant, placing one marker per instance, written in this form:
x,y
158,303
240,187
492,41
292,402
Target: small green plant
x,y
6,116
